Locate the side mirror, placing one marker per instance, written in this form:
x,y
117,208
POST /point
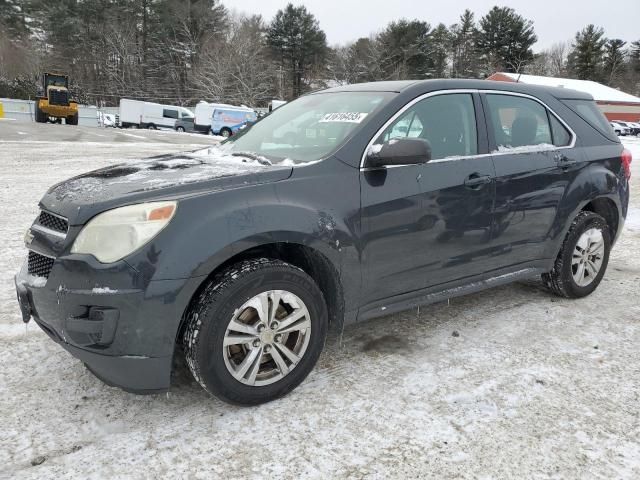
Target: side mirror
x,y
402,151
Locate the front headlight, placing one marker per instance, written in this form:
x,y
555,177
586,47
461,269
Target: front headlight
x,y
112,235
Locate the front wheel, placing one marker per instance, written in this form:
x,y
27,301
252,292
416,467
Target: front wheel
x,y
255,331
225,132
583,258
180,129
41,117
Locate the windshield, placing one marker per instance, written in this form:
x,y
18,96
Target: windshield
x,y
55,81
308,129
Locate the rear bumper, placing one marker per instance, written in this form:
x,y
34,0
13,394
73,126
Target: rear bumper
x,y
126,337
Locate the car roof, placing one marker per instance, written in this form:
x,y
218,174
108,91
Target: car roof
x,y
424,86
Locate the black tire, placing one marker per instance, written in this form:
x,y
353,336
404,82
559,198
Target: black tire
x,y
180,129
225,132
41,117
209,315
560,279
151,126
72,120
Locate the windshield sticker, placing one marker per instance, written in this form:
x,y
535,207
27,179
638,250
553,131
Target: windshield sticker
x,y
344,117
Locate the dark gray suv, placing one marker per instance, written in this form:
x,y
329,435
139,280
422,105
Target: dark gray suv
x,y
346,204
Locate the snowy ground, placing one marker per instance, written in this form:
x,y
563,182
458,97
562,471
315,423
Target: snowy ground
x,y
508,383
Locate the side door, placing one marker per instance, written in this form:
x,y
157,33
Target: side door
x,y
535,163
169,117
427,224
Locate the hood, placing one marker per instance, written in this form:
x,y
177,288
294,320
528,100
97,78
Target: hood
x,y
163,177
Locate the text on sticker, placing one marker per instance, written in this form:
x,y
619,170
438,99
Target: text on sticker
x,y
349,117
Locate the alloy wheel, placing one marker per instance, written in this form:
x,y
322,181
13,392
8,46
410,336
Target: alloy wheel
x,y
587,258
266,337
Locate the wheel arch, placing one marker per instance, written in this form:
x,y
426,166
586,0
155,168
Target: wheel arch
x,y
604,205
311,260
606,208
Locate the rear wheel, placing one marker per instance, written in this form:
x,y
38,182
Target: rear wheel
x,y
256,331
180,129
225,132
151,126
72,120
583,258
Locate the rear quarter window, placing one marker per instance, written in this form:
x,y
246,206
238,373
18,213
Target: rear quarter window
x,y
590,113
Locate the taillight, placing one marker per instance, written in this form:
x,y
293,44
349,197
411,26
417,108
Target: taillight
x,y
626,163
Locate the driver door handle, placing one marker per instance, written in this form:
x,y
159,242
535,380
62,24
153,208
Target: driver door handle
x,y
476,181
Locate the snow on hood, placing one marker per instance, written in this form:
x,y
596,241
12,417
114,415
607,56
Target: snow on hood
x,y
159,172
81,197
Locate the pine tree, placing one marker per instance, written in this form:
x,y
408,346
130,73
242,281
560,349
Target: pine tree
x,y
614,61
464,34
12,19
405,50
505,40
586,59
634,57
298,43
440,44
184,29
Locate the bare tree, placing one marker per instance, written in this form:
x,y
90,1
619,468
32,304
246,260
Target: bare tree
x,y
237,70
558,55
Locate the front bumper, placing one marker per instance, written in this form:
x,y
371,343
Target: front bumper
x,y
125,336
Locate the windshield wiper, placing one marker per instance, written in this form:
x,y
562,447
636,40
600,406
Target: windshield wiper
x,y
252,156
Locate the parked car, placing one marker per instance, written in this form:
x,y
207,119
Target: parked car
x,y
633,128
241,257
227,121
135,113
185,124
107,119
620,129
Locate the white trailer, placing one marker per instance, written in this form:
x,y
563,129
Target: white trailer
x,y
135,113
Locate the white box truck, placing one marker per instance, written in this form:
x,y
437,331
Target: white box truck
x,y
135,113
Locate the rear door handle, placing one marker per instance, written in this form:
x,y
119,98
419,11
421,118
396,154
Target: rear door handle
x,y
476,181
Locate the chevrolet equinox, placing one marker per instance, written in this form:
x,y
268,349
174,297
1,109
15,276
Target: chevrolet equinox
x,y
346,204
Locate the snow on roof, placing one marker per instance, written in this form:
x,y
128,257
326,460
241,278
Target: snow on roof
x,y
598,91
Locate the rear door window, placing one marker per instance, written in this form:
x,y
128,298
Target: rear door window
x,y
519,122
561,136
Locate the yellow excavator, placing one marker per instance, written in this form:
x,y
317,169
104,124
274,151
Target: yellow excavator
x,y
54,101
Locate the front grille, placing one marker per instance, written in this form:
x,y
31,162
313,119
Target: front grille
x,y
58,97
39,265
52,222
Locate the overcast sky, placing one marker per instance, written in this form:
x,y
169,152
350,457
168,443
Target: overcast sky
x,y
554,20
